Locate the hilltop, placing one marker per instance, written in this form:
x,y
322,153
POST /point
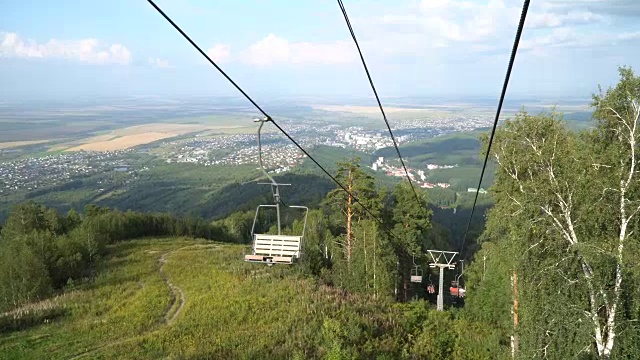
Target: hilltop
x,y
185,298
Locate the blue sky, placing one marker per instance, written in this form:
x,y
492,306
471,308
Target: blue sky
x,y
67,49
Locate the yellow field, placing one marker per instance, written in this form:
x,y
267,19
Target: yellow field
x,y
138,135
367,109
12,144
123,142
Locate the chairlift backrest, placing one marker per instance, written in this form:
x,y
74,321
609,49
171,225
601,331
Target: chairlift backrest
x,y
270,248
275,248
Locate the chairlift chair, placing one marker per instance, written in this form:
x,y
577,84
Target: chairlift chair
x,y
456,289
416,272
268,248
431,289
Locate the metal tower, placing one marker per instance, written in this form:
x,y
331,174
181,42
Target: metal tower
x,y
442,260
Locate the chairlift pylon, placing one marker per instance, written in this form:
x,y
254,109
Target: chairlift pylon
x,y
268,248
441,260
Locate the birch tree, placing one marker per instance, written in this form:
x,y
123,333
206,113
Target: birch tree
x,y
569,203
615,162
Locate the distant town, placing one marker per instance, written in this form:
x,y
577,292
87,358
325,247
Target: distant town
x,y
37,172
279,154
421,180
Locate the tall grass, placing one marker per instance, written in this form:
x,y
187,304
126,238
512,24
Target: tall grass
x,y
231,310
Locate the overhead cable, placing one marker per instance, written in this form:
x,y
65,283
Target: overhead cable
x,y
384,116
514,51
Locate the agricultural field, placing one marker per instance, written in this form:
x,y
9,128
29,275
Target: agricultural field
x,y
13,144
122,124
390,110
135,135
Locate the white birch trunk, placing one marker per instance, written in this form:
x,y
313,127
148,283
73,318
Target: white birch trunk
x,y
563,220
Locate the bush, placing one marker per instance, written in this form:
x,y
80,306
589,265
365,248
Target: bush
x,y
23,277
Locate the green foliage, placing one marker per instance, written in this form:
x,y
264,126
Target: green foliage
x,y
461,148
437,339
238,226
23,276
313,249
361,185
560,232
42,250
442,197
232,310
360,252
411,219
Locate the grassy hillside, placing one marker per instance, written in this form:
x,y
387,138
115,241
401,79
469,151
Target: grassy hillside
x,y
458,148
181,298
462,149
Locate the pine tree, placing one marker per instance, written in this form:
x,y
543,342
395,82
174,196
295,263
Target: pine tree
x,y
346,210
411,223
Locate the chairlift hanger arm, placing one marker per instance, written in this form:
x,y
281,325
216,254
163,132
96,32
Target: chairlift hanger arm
x,y
262,121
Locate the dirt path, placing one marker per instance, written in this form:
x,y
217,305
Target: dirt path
x,y
177,296
173,310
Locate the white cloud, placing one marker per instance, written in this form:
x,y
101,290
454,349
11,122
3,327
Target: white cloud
x,y
620,8
550,19
220,53
458,27
276,50
558,37
158,63
440,24
629,36
566,37
87,50
435,31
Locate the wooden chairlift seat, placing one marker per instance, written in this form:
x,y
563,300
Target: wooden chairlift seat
x,y
281,249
